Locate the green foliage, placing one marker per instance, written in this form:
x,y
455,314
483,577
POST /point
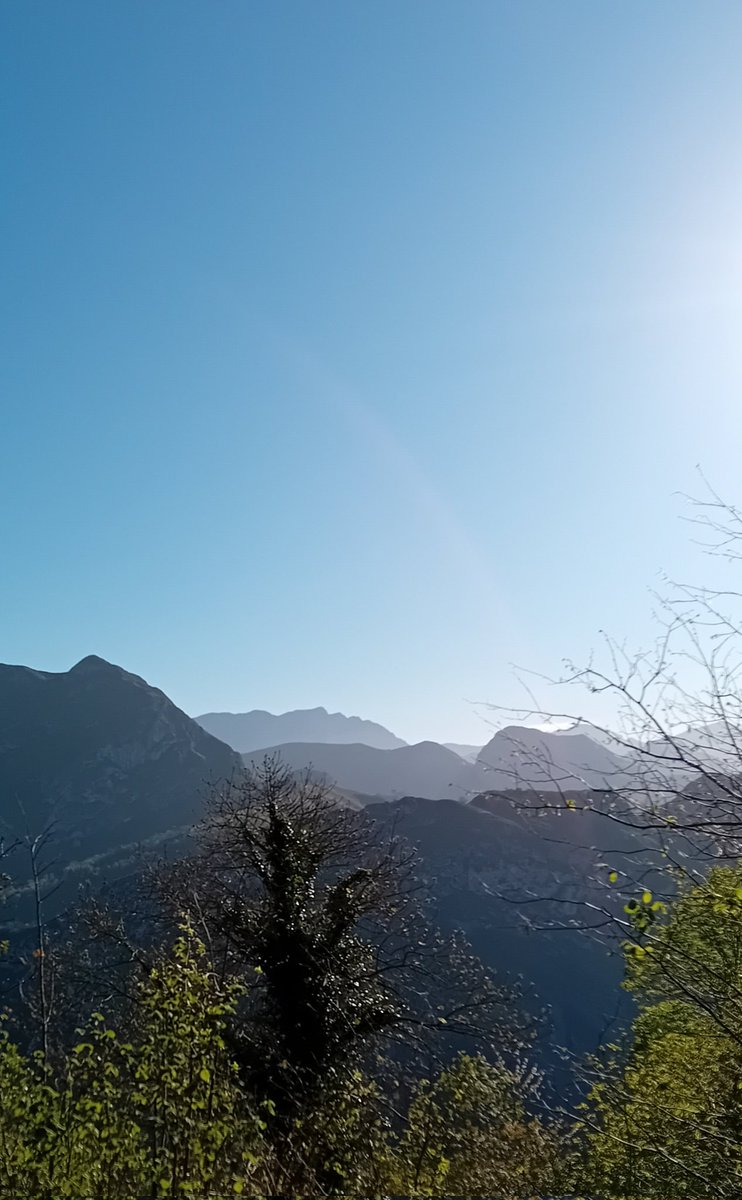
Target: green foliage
x,y
668,1126
26,1114
162,1116
342,1148
185,1082
468,1134
695,955
161,1111
70,1137
667,1123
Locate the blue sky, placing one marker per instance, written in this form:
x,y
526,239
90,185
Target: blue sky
x,y
353,352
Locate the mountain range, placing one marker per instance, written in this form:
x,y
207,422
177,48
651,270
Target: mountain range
x,y
253,730
112,761
515,758
109,764
426,769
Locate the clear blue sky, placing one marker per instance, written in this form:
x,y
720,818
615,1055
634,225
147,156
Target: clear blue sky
x,y
352,352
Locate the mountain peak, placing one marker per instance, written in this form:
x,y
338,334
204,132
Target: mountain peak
x,y
520,756
101,755
92,662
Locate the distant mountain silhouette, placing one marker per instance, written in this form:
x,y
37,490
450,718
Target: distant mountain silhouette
x,y
253,730
515,758
603,737
426,769
107,758
714,747
523,757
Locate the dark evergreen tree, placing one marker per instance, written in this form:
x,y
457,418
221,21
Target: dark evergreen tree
x,y
323,917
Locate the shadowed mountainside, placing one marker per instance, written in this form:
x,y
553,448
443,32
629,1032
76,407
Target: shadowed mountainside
x,y
426,769
101,756
502,876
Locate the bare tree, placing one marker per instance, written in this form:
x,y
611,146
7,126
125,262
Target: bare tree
x,y
673,721
37,985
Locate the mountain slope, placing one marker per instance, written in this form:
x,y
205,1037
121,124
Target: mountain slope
x,y
425,769
252,730
501,876
101,754
522,757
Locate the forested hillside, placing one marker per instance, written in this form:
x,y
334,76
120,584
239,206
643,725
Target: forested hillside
x,y
291,1021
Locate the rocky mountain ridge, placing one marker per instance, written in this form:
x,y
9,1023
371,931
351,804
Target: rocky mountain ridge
x,y
252,730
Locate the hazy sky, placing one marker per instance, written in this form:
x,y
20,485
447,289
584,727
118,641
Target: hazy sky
x,y
352,352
